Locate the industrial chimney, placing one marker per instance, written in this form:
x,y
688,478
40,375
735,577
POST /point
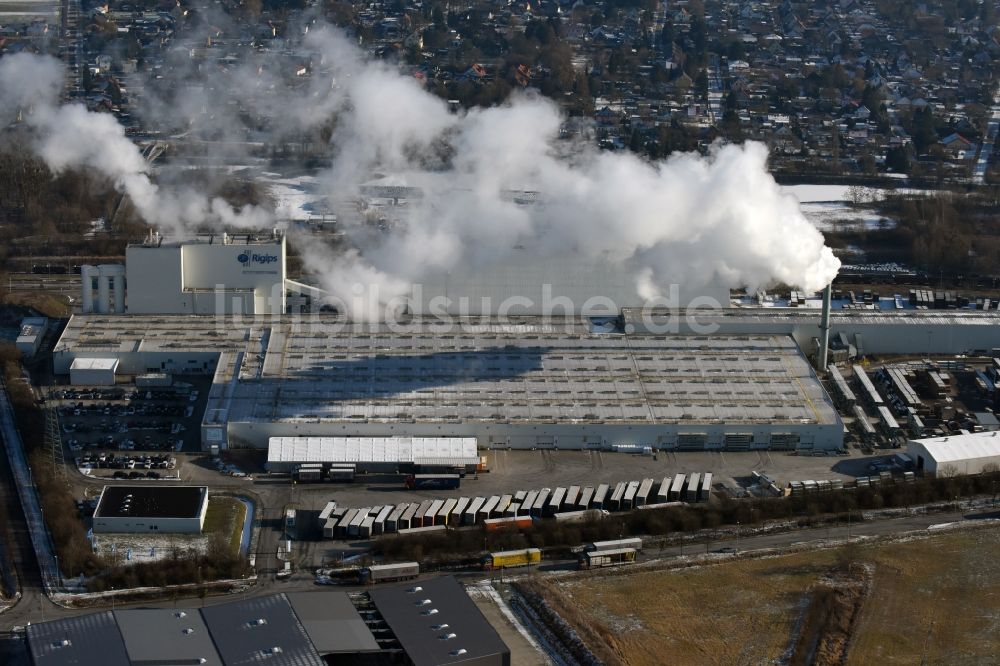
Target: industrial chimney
x,y
824,328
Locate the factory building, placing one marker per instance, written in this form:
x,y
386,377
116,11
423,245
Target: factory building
x,y
519,383
224,274
144,509
972,453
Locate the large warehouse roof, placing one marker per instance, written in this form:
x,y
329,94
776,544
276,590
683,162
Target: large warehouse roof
x,y
417,450
959,448
526,370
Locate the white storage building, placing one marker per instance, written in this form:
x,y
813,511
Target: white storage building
x,y
93,371
957,454
373,453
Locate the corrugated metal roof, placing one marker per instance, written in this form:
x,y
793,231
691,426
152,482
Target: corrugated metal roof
x,y
956,448
417,450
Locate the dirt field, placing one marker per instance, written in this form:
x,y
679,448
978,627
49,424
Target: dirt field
x,y
933,600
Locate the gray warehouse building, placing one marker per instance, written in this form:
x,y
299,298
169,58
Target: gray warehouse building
x,y
285,629
526,382
454,633
161,509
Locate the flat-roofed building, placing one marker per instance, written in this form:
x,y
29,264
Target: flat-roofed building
x,y
93,371
526,382
144,509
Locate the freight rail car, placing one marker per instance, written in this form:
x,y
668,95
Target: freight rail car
x,y
512,558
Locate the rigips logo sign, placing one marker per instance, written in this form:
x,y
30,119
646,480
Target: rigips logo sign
x,y
252,258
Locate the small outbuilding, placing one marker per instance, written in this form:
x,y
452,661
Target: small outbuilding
x,y
93,371
972,453
29,338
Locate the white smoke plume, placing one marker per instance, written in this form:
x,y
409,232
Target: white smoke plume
x,y
689,219
70,136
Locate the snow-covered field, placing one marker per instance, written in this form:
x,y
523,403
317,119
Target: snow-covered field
x,y
835,215
136,548
295,198
827,207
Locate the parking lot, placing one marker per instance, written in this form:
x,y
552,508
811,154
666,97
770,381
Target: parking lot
x,y
135,432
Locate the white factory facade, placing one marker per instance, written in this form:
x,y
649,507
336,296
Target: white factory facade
x,y
227,274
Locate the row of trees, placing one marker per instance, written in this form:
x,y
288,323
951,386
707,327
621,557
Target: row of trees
x,y
58,504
